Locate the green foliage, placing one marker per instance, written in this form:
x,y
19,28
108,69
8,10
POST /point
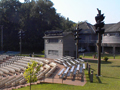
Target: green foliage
x,y
34,18
43,52
80,57
105,58
31,71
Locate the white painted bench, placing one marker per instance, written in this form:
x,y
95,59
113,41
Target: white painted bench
x,y
51,71
68,63
61,72
72,69
65,72
78,67
81,69
74,73
65,65
83,65
72,62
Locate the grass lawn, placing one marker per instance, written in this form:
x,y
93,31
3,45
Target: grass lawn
x,y
34,55
90,55
110,79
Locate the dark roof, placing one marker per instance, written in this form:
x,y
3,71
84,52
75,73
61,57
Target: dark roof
x,y
56,33
106,26
87,28
113,28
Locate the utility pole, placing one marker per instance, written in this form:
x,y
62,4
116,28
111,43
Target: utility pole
x,y
77,37
1,37
99,25
21,34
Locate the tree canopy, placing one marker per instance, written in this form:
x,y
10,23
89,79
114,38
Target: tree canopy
x,y
34,18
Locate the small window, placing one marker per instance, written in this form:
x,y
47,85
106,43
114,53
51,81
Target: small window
x,y
53,40
53,52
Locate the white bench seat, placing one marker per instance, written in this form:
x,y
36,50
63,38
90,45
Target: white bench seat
x,y
52,64
16,82
21,64
22,81
9,69
51,71
2,84
1,73
61,72
72,69
15,68
83,65
74,73
4,70
65,65
7,84
78,67
81,69
20,67
68,63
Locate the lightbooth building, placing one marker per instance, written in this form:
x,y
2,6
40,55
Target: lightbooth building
x,y
58,44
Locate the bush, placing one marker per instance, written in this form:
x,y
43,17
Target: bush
x,y
105,58
80,57
43,52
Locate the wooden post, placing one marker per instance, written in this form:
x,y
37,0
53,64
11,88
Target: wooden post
x,y
99,54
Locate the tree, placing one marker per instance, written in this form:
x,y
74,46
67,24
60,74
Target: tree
x,y
31,71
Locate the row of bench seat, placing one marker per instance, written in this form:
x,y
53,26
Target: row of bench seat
x,y
12,81
68,61
2,57
72,70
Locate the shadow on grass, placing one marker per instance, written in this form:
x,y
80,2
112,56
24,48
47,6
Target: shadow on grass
x,y
110,77
99,81
115,66
96,61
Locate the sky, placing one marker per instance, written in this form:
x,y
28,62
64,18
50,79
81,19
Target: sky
x,y
86,10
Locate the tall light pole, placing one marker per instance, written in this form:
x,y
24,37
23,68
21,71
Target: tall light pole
x,y
21,34
1,37
77,34
99,25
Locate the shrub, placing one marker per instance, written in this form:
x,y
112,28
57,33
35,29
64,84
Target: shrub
x,y
105,58
80,57
43,51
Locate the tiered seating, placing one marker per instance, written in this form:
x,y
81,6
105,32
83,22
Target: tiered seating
x,y
46,72
16,65
39,60
9,69
73,66
65,72
54,65
2,84
20,67
7,84
61,72
16,82
20,64
47,68
1,73
2,57
15,68
4,70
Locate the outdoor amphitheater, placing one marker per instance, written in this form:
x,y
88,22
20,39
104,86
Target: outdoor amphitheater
x,y
65,70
